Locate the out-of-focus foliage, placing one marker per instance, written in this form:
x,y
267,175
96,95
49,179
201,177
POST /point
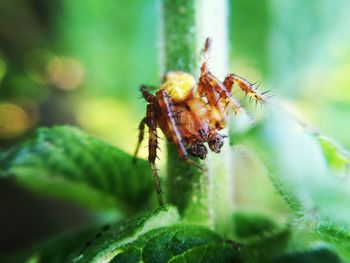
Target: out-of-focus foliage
x,y
67,163
305,169
300,50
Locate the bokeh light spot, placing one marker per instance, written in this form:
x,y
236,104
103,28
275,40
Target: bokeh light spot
x,y
65,72
14,120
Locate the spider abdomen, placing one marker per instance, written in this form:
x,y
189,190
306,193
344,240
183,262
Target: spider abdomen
x,y
179,85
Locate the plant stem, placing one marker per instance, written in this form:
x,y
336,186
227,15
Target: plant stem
x,y
191,190
179,40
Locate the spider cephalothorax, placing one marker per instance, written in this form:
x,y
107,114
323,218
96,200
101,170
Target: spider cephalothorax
x,y
191,114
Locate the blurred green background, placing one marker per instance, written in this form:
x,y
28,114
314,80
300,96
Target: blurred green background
x,y
81,63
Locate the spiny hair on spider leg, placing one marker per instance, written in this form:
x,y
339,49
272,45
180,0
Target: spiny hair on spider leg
x,y
168,94
223,135
216,103
156,176
258,82
245,96
206,104
149,158
227,103
158,137
157,170
152,143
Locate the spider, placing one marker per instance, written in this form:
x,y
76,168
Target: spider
x,y
191,115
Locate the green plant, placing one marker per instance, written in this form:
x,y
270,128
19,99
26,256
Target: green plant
x,y
201,225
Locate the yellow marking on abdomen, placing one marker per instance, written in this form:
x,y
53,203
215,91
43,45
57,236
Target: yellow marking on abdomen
x,y
179,85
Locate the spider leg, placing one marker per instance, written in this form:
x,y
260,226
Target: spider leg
x,y
152,148
217,94
141,135
246,87
151,121
147,95
167,108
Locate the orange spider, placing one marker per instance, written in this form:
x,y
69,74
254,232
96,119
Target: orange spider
x,y
191,117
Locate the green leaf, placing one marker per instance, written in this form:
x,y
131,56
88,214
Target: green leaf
x,y
318,255
119,239
262,238
156,237
249,225
208,253
178,243
98,243
338,159
65,162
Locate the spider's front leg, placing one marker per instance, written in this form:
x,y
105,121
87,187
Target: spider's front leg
x,y
141,135
152,148
150,98
167,108
151,121
245,86
216,93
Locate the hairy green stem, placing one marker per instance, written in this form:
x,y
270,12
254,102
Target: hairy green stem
x,y
200,196
179,40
